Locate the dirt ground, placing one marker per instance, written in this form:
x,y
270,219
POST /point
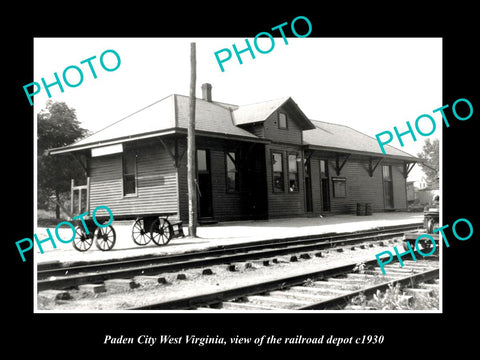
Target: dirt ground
x,y
196,283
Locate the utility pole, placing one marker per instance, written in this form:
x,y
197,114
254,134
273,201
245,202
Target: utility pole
x,y
191,165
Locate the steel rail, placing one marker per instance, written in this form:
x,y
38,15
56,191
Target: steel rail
x,y
343,300
254,289
330,239
215,298
124,269
130,268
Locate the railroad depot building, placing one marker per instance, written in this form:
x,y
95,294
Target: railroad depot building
x,y
258,161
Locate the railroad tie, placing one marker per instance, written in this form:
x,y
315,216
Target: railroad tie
x,y
149,280
53,295
120,284
92,288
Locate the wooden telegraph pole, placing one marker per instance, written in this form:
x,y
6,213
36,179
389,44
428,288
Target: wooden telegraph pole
x,y
191,166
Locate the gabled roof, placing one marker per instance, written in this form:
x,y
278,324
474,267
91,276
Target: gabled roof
x,y
258,112
165,116
209,117
342,138
159,116
170,115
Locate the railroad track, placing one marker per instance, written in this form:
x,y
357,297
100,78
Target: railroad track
x,y
62,277
327,289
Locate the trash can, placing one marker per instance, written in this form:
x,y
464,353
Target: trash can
x,y
360,209
368,208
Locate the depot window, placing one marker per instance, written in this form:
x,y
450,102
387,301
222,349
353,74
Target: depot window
x,y
231,164
387,186
282,120
292,173
277,165
129,174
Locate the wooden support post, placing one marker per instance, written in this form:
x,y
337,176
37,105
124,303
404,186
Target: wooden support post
x,y
79,200
177,160
72,193
191,166
307,160
88,195
178,157
371,168
172,156
407,167
338,166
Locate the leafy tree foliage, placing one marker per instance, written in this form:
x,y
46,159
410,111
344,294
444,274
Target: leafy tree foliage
x,y
57,126
431,156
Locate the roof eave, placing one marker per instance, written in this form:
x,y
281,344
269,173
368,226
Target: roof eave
x,y
226,136
95,144
73,148
308,124
364,153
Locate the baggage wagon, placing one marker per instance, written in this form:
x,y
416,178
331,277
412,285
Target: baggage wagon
x,y
145,228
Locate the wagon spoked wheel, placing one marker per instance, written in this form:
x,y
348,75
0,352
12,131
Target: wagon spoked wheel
x,y
139,235
82,241
405,246
105,238
425,245
160,232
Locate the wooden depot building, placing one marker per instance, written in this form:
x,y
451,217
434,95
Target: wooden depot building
x,y
258,161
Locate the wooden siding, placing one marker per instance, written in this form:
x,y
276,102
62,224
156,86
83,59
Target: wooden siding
x,y
316,187
360,187
244,204
156,183
160,189
225,205
291,135
256,129
399,187
282,204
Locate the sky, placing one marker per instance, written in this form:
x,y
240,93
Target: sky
x,y
369,84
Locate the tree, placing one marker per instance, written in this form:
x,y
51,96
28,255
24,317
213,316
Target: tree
x,y
431,157
57,126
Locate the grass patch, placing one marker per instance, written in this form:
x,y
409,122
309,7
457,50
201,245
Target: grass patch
x,y
46,218
394,298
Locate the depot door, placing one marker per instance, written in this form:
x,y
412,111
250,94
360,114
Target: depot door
x,y
308,187
325,189
387,186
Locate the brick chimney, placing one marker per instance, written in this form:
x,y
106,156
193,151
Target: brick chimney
x,y
207,92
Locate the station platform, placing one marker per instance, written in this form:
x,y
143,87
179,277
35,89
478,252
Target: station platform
x,y
220,234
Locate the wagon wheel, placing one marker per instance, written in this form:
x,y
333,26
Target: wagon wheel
x,y
425,245
139,235
82,241
431,225
105,238
160,231
405,246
